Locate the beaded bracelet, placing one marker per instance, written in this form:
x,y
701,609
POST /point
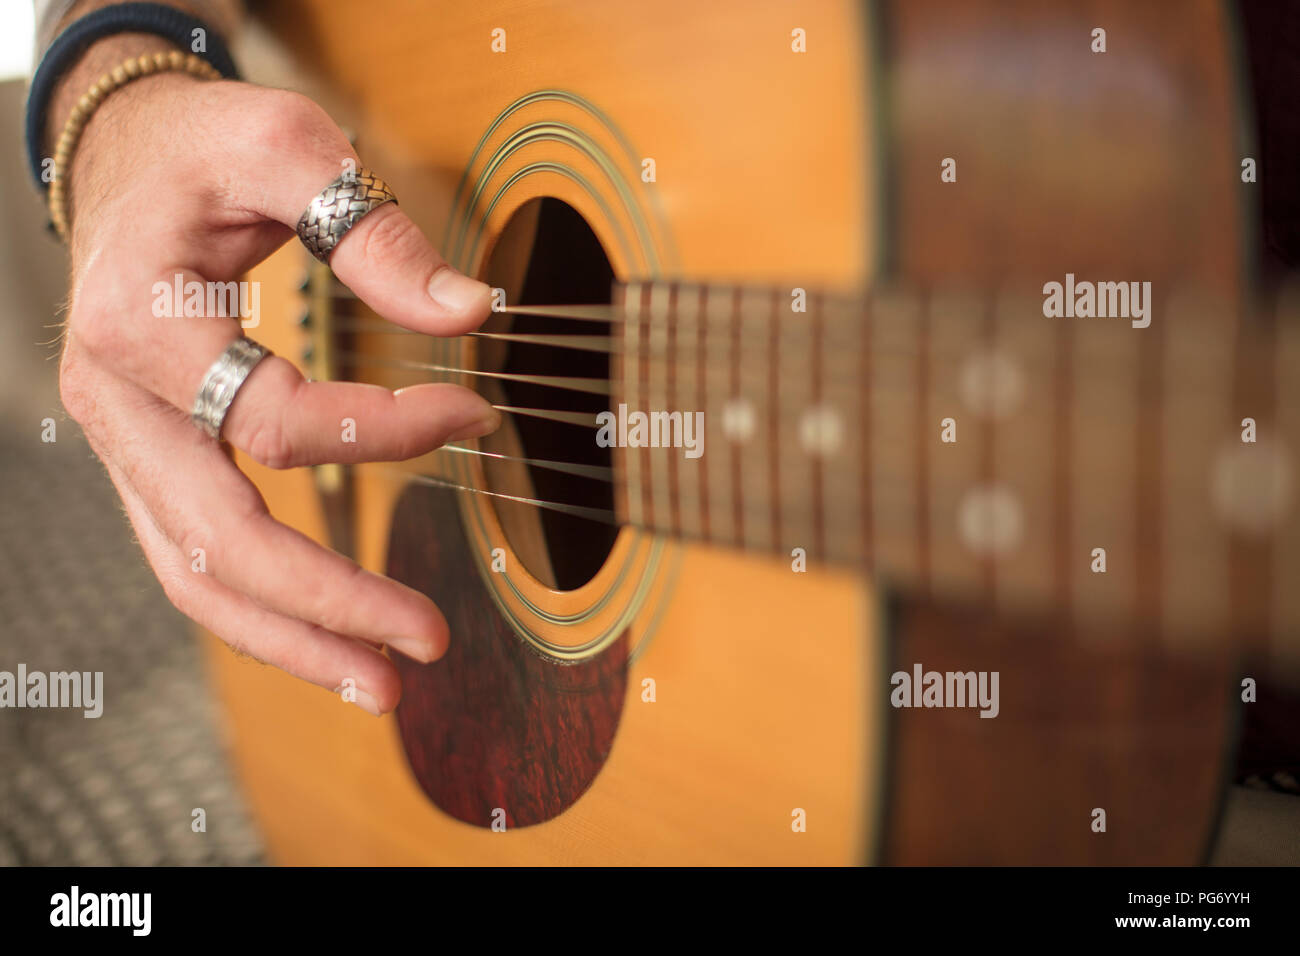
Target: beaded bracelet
x,y
115,79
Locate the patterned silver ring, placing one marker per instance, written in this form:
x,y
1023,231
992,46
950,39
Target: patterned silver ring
x,y
338,207
223,381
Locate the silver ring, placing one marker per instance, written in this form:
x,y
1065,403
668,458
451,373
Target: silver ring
x,y
338,207
222,382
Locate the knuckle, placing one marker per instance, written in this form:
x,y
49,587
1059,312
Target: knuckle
x,y
263,429
410,446
245,505
327,610
268,443
294,658
291,122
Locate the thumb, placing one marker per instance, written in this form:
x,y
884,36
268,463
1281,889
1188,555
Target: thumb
x,y
386,260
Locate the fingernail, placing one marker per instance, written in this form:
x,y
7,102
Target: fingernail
x,y
414,648
364,700
457,292
484,424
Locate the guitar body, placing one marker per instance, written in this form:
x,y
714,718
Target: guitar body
x,y
668,700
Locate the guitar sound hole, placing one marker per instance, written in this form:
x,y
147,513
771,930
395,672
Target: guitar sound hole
x,y
565,265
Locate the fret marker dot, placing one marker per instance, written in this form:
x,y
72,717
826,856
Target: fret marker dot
x,y
990,520
1252,486
991,384
820,431
738,420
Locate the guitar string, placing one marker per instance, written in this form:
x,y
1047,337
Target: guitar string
x,y
595,472
585,343
582,419
893,487
895,490
562,416
603,515
1098,365
842,308
591,386
588,343
583,313
890,484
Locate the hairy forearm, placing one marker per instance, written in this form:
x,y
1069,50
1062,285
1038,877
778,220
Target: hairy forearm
x,y
224,16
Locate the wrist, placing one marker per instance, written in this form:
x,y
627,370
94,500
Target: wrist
x,y
99,59
98,36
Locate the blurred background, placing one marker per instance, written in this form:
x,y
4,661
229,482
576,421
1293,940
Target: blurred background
x,y
76,594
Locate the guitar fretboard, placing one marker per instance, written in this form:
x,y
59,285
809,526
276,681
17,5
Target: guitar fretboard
x,y
972,447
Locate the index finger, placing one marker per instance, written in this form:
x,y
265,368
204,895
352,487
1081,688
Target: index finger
x,y
384,258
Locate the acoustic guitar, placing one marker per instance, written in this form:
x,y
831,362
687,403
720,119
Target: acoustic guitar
x,y
826,228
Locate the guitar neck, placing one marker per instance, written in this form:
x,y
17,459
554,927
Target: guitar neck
x,y
971,447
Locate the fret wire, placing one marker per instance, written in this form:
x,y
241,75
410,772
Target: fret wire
x,y
753,475
636,399
618,458
734,335
1023,440
631,460
957,322
923,522
1104,447
670,386
817,507
774,401
658,466
1149,414
987,467
894,432
717,365
796,465
701,390
686,381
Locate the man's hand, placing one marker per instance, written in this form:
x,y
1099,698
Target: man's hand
x,y
176,175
